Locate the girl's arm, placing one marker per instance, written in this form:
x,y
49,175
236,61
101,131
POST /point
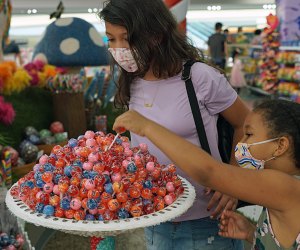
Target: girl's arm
x,y
270,188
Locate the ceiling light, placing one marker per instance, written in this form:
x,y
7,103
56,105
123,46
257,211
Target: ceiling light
x,y
95,10
208,7
90,10
29,11
218,7
34,11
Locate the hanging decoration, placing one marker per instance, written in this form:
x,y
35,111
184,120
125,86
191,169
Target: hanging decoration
x,y
179,9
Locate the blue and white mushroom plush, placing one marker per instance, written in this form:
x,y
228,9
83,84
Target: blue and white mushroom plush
x,y
70,42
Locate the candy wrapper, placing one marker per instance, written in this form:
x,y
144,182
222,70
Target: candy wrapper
x,y
6,168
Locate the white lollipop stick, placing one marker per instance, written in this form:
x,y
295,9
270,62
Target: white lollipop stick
x,y
113,142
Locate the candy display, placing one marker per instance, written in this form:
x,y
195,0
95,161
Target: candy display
x,y
268,66
83,180
6,168
11,242
289,75
67,83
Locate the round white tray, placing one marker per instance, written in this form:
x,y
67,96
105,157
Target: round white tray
x,y
104,228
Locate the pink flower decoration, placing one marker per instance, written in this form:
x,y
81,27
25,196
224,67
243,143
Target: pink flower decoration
x,y
34,78
39,65
7,112
1,84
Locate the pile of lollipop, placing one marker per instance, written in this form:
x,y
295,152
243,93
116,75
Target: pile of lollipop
x,y
98,177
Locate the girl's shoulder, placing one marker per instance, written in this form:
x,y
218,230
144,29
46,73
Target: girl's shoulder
x,y
204,73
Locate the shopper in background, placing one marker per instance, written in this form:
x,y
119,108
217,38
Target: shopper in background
x,y
227,36
10,47
237,78
257,39
240,36
150,51
269,154
217,47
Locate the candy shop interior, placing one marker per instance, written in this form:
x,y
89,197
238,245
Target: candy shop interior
x,y
57,99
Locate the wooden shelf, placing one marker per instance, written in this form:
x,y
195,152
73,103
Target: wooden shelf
x,y
20,171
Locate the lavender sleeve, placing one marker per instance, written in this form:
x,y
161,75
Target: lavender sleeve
x,y
212,88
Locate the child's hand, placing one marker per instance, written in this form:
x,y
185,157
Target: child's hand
x,y
132,121
235,225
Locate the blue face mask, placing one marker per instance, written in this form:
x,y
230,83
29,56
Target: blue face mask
x,y
244,157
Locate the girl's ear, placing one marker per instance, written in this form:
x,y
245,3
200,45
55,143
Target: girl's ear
x,y
283,146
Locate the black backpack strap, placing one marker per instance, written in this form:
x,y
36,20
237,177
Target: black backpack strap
x,y
186,76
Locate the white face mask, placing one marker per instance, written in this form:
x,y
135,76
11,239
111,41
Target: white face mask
x,y
124,58
246,160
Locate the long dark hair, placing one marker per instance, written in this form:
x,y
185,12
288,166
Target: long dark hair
x,y
154,40
283,119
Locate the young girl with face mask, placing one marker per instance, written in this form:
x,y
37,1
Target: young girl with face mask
x,y
269,171
150,51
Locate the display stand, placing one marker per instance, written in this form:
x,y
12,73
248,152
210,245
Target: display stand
x,y
104,228
69,109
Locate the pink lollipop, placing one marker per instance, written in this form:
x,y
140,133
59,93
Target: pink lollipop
x,y
170,187
75,204
44,159
38,195
36,167
143,147
48,187
168,199
93,157
56,190
126,144
89,184
125,163
89,134
87,165
91,142
128,152
150,166
116,177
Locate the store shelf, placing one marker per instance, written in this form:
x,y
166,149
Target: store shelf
x,y
240,45
286,48
256,46
289,48
259,91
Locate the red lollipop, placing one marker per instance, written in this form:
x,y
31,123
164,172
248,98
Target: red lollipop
x,y
56,127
